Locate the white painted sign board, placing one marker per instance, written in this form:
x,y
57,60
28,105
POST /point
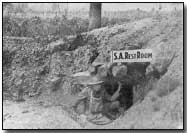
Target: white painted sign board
x,y
138,55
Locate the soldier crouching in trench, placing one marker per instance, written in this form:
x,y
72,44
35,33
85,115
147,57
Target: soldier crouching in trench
x,y
118,88
92,93
103,95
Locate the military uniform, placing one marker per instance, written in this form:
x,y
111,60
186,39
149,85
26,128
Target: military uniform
x,y
89,96
111,108
83,96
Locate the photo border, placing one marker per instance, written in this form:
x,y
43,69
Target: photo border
x,y
112,130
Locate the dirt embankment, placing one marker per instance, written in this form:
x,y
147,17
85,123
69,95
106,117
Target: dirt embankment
x,y
162,106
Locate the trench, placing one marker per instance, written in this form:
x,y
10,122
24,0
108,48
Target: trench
x,y
130,93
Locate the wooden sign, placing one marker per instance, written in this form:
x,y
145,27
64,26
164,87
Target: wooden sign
x,y
138,55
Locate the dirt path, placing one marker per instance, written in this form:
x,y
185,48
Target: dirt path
x,y
36,115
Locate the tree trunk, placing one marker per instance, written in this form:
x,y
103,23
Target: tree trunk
x,y
95,16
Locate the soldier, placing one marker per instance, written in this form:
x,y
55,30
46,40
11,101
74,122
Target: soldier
x,y
104,95
115,97
111,103
91,93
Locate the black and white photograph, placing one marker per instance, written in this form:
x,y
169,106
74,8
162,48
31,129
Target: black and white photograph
x,y
94,65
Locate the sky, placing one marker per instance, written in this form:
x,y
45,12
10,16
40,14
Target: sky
x,y
105,6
